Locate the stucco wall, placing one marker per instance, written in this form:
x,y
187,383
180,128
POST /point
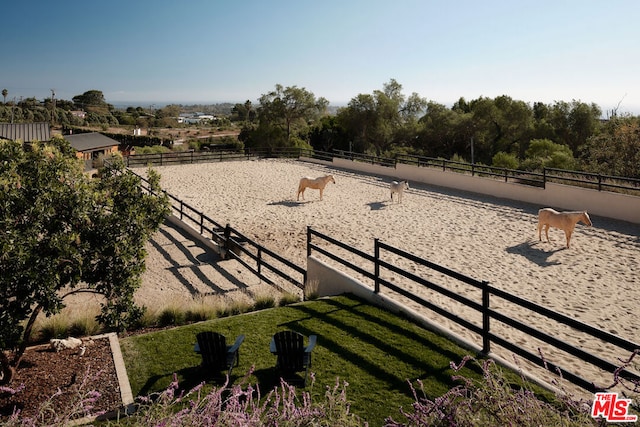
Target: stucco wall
x,y
562,197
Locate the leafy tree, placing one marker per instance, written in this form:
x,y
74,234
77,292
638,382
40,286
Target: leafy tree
x,y
544,153
5,92
64,233
92,101
284,115
359,119
573,123
444,132
380,120
500,124
243,112
328,134
616,150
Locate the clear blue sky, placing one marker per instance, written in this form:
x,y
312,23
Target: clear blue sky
x,y
207,51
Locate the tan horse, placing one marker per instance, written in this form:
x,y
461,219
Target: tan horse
x,y
316,184
566,221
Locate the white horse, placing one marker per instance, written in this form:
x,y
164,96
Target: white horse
x,y
566,221
398,187
317,184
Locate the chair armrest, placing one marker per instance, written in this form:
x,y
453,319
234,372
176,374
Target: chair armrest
x,y
236,345
312,343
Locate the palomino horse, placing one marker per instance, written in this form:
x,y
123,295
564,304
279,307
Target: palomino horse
x,y
566,221
317,184
398,187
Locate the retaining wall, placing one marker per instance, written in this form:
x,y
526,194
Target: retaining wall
x,y
328,282
559,196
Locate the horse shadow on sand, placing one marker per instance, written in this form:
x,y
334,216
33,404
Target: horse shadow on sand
x,y
287,203
534,254
376,206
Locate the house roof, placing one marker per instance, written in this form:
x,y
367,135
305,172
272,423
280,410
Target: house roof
x,y
90,141
26,132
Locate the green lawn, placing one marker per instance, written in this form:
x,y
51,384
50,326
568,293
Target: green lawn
x,y
375,351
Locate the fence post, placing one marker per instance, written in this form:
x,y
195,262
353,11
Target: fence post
x,y
308,241
376,266
259,260
181,209
486,341
599,182
544,177
201,224
227,236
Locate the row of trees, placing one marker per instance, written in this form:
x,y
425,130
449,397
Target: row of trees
x,y
501,131
65,233
97,112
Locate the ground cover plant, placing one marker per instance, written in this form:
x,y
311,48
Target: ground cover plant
x,y
381,356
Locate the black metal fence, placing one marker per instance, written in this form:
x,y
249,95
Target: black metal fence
x,y
257,258
596,181
487,316
189,157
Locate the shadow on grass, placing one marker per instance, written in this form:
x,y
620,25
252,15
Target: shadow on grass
x,y
433,367
369,348
191,377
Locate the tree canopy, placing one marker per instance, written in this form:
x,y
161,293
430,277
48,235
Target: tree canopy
x,y
65,233
92,101
386,122
284,115
380,120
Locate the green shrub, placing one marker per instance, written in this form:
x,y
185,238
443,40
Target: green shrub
x,y
84,327
311,290
171,316
288,298
239,307
148,319
53,327
265,301
505,160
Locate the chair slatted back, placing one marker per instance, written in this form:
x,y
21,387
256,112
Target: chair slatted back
x,y
290,347
213,348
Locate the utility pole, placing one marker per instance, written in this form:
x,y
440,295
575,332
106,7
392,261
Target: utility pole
x,y
472,160
53,106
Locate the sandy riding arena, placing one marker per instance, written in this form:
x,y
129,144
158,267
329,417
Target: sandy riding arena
x,y
596,281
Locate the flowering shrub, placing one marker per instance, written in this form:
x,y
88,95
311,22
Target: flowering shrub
x,y
241,407
492,401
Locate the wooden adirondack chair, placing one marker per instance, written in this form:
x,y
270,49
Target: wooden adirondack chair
x,y
293,356
217,356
